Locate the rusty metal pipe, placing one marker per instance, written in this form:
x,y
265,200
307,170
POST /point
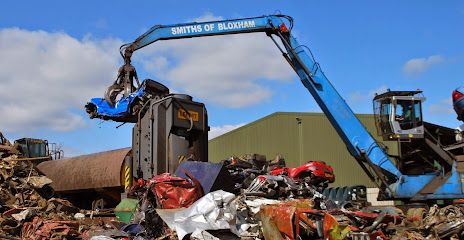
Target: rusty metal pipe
x,y
94,171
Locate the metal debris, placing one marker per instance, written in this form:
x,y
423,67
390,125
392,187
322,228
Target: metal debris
x,y
49,229
279,206
28,210
262,204
6,148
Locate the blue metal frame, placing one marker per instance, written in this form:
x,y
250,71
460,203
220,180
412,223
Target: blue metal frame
x,y
356,137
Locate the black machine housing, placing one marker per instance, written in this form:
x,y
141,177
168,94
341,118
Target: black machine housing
x,y
169,130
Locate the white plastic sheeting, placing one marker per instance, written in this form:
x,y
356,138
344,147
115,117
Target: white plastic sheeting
x,y
211,212
202,235
255,204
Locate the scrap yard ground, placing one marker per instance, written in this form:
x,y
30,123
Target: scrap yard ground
x,y
231,120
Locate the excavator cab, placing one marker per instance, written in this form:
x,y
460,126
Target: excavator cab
x,y
398,115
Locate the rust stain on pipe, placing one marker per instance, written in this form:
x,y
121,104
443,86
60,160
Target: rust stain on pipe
x,y
92,171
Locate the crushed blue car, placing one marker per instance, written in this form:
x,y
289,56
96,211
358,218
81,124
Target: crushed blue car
x,y
127,107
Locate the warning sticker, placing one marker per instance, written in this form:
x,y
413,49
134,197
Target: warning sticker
x,y
182,114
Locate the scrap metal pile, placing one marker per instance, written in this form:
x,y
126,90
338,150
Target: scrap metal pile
x,y
266,202
255,199
28,210
6,148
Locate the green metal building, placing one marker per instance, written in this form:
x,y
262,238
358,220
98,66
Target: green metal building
x,y
298,137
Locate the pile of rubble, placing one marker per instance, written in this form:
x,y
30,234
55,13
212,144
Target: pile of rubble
x,y
28,210
6,148
239,198
266,205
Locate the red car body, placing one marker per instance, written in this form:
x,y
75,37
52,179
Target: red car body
x,y
314,169
175,192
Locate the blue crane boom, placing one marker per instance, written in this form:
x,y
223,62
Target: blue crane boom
x,y
364,148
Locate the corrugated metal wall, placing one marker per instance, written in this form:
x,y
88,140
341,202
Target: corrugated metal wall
x,y
314,139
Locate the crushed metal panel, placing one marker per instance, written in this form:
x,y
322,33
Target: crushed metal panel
x,y
280,217
175,192
92,171
280,221
212,176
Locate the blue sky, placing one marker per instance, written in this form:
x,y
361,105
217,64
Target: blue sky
x,y
362,46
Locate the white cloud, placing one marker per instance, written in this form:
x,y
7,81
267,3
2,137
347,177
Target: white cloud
x,y
207,17
218,131
419,65
47,77
223,70
378,90
359,96
70,151
444,107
